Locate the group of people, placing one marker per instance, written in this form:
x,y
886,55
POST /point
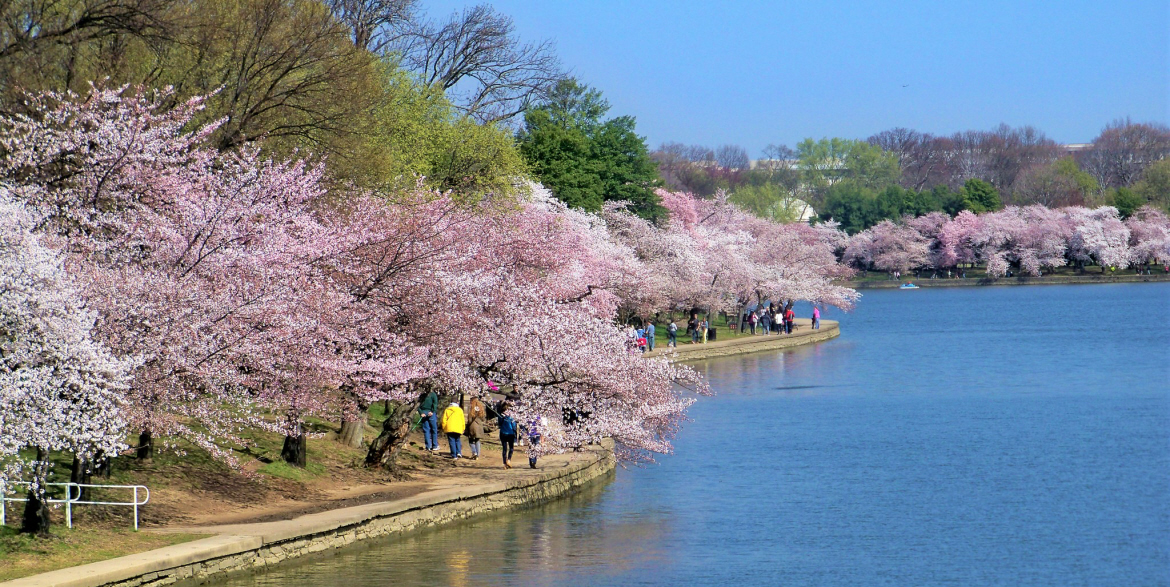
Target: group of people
x,y
641,339
455,423
778,319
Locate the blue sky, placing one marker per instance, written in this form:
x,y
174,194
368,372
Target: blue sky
x,y
754,73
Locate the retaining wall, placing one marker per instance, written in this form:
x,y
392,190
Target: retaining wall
x,y
803,335
249,547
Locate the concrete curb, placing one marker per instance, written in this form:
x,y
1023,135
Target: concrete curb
x,y
243,547
803,335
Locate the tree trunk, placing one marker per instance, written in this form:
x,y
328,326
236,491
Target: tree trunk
x,y
295,450
82,473
145,445
36,509
351,430
395,430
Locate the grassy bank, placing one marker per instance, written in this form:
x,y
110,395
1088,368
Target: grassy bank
x,y
187,486
22,555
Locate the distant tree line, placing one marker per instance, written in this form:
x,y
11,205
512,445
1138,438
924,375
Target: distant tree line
x,y
901,171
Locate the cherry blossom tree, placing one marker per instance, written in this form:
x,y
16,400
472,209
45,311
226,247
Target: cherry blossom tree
x,y
745,257
958,240
250,297
211,267
1149,236
1031,238
1098,236
60,390
888,247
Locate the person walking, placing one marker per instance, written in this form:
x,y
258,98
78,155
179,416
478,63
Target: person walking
x,y
507,426
752,318
650,335
816,323
534,428
429,421
672,335
476,418
693,328
765,323
454,422
789,318
703,329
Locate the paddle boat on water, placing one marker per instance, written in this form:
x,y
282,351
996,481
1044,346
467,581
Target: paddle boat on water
x,y
908,286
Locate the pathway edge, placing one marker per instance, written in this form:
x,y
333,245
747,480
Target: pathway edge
x,y
244,547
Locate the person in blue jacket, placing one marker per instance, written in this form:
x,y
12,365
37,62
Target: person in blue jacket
x,y
507,426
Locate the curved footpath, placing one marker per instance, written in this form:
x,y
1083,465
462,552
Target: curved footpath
x,y
244,547
802,334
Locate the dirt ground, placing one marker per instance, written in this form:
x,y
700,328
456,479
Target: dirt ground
x,y
190,491
204,496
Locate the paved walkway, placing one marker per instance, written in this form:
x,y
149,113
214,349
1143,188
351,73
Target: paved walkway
x,y
801,334
242,547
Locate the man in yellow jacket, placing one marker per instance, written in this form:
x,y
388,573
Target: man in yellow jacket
x,y
453,424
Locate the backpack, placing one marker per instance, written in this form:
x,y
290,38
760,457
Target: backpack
x,y
507,426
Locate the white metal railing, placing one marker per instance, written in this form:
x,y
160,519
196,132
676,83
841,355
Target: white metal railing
x,y
70,501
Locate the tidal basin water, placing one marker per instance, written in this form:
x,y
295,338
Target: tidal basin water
x,y
979,436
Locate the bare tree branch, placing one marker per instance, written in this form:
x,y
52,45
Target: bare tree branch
x,y
482,65
374,24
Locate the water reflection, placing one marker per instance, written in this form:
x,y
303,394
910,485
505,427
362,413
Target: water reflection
x,y
992,436
544,545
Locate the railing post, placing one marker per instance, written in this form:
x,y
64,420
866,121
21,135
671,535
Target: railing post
x,y
68,505
3,506
135,508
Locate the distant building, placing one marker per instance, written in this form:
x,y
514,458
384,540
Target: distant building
x,y
1074,148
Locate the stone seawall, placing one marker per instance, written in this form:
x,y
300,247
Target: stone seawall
x,y
250,547
802,335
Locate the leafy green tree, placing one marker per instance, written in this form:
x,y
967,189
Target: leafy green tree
x,y
1155,184
949,200
851,205
770,201
980,196
830,160
1126,200
857,207
1085,182
415,131
585,160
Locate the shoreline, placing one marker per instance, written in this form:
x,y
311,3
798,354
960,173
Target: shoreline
x,y
254,546
801,335
1021,280
240,548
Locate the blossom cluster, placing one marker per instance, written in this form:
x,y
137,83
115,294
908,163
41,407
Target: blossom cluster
x,y
1028,238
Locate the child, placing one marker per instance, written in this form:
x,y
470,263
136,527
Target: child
x,y
534,428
